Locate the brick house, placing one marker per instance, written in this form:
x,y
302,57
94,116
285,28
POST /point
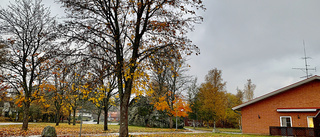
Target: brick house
x,y
294,106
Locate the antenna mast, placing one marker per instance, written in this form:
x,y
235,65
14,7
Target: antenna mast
x,y
305,58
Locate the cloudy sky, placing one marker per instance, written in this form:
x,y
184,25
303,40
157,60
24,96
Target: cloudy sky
x,y
261,40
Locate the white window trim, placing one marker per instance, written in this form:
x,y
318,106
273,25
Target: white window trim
x,y
285,117
308,119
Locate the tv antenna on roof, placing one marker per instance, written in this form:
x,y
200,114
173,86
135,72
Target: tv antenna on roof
x,y
306,69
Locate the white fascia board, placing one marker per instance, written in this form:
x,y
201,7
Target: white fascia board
x,y
296,110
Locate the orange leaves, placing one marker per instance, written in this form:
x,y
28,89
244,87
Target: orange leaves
x,y
161,104
159,26
179,107
47,87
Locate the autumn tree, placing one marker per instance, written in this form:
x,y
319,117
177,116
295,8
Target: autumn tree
x,y
212,96
193,99
46,101
104,82
231,119
248,90
29,32
132,31
77,86
169,80
177,82
60,74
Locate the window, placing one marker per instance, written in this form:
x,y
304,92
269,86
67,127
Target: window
x,y
310,122
285,121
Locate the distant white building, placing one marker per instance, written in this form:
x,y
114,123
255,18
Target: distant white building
x,y
7,107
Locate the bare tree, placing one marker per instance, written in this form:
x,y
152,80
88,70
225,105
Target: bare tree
x,y
132,31
248,90
29,33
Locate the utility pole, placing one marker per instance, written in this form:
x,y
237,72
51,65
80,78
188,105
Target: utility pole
x,y
305,58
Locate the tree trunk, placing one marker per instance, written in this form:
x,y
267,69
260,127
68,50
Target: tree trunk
x,y
171,122
105,124
57,118
74,116
99,114
69,118
194,127
123,132
26,116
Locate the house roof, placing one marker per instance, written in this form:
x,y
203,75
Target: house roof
x,y
277,92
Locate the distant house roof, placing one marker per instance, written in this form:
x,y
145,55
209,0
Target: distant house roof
x,y
277,92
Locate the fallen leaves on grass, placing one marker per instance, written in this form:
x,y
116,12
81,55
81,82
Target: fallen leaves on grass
x,y
74,130
62,129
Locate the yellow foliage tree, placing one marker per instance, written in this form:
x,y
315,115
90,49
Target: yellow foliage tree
x,y
212,97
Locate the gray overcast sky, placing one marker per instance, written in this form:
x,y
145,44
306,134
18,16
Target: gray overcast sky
x,y
260,40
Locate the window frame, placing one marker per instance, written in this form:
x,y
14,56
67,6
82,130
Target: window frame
x,y
285,117
308,120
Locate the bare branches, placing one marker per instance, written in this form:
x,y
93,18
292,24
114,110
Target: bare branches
x,y
128,33
29,32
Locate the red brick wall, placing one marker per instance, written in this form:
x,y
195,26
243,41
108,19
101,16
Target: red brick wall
x,y
306,95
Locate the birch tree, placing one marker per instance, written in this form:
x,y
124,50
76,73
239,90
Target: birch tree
x,y
248,90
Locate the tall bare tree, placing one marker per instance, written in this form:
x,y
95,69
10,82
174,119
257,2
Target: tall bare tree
x,y
29,32
132,31
248,90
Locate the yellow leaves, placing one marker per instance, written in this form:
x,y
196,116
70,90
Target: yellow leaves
x,y
141,81
42,99
46,105
19,101
161,104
